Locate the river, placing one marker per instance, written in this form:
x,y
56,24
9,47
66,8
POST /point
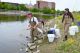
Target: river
x,y
13,36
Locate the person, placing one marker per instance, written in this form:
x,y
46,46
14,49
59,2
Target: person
x,y
41,23
33,25
67,20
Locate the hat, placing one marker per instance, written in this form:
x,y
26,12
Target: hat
x,y
67,9
29,14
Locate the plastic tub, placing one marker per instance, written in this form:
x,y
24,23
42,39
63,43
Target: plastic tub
x,y
72,30
51,32
57,32
51,37
76,29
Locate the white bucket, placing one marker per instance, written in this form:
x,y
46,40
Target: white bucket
x,y
51,37
57,31
71,30
76,29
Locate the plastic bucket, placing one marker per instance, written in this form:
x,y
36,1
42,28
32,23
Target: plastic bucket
x,y
76,29
51,32
57,32
51,37
72,30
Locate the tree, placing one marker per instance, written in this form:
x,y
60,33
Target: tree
x,y
52,11
48,11
35,10
59,12
22,7
9,6
2,5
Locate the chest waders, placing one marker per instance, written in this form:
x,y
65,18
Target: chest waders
x,y
32,23
67,23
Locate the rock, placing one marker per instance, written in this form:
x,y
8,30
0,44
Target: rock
x,y
27,37
27,50
21,49
31,44
39,41
38,51
33,47
35,38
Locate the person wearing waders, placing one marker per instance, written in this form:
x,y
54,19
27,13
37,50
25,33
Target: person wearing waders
x,y
33,23
67,20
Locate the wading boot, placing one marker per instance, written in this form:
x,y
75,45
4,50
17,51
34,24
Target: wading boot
x,y
65,38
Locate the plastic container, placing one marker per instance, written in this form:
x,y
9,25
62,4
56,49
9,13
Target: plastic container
x,y
51,37
72,30
76,29
57,32
51,32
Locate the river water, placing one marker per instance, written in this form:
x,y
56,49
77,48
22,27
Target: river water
x,y
13,36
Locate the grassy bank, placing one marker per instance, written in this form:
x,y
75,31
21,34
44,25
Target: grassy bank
x,y
72,45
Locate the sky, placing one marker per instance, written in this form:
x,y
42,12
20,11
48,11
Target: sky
x,y
73,5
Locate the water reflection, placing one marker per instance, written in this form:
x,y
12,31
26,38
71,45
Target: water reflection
x,y
8,18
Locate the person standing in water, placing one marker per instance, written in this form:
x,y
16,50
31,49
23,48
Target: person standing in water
x,y
67,20
34,26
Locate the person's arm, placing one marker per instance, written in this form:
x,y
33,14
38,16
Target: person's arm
x,y
72,17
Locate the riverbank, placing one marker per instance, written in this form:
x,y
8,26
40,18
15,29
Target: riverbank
x,y
72,45
45,46
15,12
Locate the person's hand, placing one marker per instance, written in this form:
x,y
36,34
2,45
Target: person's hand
x,y
34,27
29,26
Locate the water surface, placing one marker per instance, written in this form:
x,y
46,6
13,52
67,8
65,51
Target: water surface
x,y
12,36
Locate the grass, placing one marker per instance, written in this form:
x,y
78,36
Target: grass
x,y
72,45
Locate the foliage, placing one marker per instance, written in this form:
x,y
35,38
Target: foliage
x,y
9,18
59,12
48,10
77,16
9,6
35,10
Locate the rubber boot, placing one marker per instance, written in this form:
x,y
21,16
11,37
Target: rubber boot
x,y
65,38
